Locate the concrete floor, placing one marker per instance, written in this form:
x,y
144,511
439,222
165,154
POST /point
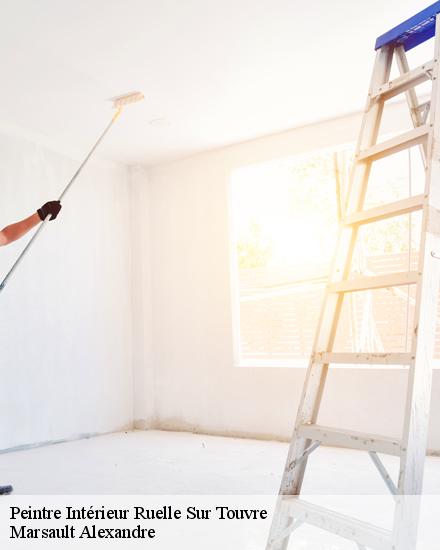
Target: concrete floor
x,y
155,462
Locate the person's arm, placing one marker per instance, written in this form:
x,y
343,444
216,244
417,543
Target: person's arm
x,y
16,230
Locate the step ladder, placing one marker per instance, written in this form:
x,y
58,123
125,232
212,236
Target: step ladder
x,y
308,433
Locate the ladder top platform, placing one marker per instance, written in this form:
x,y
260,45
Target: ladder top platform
x,y
413,31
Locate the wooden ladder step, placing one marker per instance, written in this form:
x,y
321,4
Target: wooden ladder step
x,y
405,82
375,282
363,358
350,528
392,209
352,440
396,144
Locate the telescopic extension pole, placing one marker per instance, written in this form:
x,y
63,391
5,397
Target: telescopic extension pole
x,y
118,102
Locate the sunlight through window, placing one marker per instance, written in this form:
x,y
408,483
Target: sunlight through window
x,y
285,215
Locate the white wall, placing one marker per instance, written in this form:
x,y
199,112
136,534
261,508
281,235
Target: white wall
x,y
187,242
65,317
131,287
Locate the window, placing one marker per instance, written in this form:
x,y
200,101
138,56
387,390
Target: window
x,y
285,216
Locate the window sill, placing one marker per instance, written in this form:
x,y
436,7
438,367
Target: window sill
x,y
303,364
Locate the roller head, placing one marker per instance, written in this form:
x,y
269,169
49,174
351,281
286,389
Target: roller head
x,y
121,101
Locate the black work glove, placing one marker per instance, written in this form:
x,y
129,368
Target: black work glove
x,y
52,207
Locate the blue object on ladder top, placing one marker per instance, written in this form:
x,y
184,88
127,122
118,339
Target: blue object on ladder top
x,y
413,31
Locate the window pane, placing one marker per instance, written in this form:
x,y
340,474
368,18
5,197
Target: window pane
x,y
285,225
286,215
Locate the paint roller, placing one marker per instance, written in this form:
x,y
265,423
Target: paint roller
x,y
119,102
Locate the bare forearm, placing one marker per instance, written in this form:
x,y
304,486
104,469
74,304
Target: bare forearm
x,y
11,233
16,230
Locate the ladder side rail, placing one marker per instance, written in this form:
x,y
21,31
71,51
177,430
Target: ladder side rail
x,y
420,375
316,373
418,398
332,305
406,522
